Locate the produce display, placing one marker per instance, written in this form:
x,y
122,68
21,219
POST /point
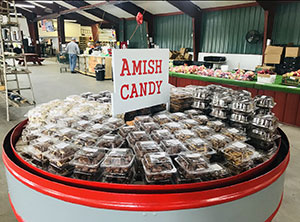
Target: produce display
x,y
203,71
77,137
291,78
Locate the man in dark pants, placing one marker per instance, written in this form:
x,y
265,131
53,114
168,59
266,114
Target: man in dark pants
x,y
73,51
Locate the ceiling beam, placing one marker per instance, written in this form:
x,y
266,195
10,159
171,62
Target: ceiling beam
x,y
95,11
187,7
134,9
267,5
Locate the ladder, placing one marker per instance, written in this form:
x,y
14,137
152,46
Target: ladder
x,y
10,34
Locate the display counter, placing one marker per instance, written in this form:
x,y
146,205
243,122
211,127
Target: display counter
x,y
287,97
87,63
52,200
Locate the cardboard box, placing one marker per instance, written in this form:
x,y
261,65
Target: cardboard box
x,y
264,67
272,59
183,51
292,51
274,50
187,56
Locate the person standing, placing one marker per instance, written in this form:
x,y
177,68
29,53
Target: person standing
x,y
73,50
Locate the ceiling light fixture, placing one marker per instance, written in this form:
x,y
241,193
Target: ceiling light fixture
x,y
24,6
47,2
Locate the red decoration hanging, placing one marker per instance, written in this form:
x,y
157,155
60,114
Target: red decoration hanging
x,y
139,18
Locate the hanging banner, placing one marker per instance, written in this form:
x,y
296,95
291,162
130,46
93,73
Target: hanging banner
x,y
141,78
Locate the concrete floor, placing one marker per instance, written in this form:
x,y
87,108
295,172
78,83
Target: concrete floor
x,y
49,84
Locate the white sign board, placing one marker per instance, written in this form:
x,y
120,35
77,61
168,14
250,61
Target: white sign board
x,y
141,78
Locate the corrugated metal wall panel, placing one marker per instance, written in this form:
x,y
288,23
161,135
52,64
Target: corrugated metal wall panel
x,y
286,27
224,31
139,39
173,32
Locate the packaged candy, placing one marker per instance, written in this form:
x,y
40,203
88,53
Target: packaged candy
x,y
82,125
43,143
216,125
159,135
189,123
221,101
173,126
66,134
100,129
88,159
201,146
99,118
234,134
192,112
198,104
158,168
219,141
67,121
264,101
162,119
125,130
184,134
219,113
262,134
214,172
50,129
173,146
114,123
240,118
201,119
245,105
136,136
203,131
149,126
85,139
143,147
142,119
86,94
269,122
202,93
178,116
110,141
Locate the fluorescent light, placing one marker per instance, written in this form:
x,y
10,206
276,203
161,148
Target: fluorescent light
x,y
25,6
47,2
15,14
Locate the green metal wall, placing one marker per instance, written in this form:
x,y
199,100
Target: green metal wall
x,y
224,31
286,27
173,32
139,39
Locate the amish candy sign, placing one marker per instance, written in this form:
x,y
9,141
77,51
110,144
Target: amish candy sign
x,y
140,78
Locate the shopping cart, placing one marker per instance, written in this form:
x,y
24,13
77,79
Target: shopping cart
x,y
63,60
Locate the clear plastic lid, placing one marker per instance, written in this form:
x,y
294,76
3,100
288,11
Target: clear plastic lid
x,y
118,161
31,135
262,134
264,101
199,145
136,136
125,130
50,129
269,122
143,119
221,101
43,143
173,126
82,125
219,113
240,154
214,171
149,126
178,116
99,118
192,112
100,129
66,134
105,93
234,134
104,100
94,97
240,118
110,141
184,134
219,140
143,147
35,153
190,123
173,146
217,125
203,131
162,118
86,94
192,163
62,150
244,105
85,139
201,119
202,93
158,163
159,135
114,122
88,159
202,105
67,121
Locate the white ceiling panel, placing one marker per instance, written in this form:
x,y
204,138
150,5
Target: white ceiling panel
x,y
214,4
156,7
110,8
88,15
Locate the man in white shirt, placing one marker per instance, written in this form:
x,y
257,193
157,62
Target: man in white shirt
x,y
73,51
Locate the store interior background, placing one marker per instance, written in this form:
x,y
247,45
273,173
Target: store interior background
x,y
223,28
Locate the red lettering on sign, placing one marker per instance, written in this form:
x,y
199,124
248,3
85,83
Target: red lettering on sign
x,y
122,94
158,66
158,83
145,71
151,88
143,89
134,91
151,66
137,68
125,67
